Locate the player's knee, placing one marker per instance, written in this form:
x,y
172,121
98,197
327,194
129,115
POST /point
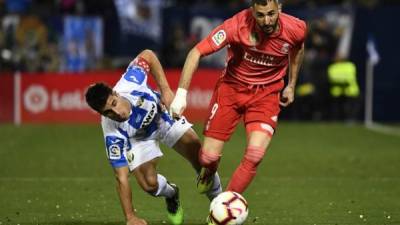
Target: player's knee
x,y
254,156
121,178
150,185
207,158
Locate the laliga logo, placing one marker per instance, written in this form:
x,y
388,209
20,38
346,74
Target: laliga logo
x,y
36,99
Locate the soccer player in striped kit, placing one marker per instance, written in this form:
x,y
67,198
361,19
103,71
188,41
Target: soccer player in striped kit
x,y
134,121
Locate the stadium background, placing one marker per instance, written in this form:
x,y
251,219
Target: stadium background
x,y
321,168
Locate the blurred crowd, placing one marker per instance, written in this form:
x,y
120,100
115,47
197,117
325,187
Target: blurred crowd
x,y
30,31
31,40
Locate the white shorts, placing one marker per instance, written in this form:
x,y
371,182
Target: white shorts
x,y
145,150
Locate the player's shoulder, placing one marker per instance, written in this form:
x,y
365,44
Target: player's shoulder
x,y
136,73
108,124
293,27
239,24
293,23
134,78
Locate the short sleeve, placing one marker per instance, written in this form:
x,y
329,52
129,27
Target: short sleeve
x,y
218,38
140,62
117,143
137,71
301,33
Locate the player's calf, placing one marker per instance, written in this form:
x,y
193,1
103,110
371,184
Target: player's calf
x,y
247,169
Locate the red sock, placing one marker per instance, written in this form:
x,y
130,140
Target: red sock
x,y
246,171
209,160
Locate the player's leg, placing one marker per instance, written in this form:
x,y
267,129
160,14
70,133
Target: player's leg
x,y
189,146
223,117
178,134
209,157
260,120
142,161
258,142
211,153
151,182
157,185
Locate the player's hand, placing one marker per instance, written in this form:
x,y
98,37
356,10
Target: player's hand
x,y
287,96
167,97
178,105
136,221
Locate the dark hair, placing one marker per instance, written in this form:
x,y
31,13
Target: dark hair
x,y
263,2
97,95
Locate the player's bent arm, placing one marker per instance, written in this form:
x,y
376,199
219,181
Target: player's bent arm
x,y
156,69
295,61
124,191
159,76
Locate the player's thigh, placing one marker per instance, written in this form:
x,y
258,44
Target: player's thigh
x,y
188,146
262,116
223,115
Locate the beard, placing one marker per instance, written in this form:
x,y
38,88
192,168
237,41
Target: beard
x,y
269,29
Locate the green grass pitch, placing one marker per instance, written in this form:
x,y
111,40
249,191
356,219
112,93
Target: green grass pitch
x,y
322,174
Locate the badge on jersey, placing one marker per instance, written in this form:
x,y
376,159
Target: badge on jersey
x,y
135,74
114,147
219,37
130,156
285,48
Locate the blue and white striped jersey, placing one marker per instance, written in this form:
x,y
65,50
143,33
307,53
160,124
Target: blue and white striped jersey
x,y
145,118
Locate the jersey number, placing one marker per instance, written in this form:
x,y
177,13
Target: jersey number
x,y
213,111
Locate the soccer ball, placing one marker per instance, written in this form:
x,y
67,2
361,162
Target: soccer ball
x,y
228,208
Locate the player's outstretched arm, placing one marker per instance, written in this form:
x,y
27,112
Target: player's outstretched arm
x,y
295,61
125,196
159,76
178,105
191,64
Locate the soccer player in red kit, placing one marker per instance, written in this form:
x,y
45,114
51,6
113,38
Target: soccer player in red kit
x,y
262,44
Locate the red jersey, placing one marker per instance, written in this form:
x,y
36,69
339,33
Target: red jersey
x,y
253,57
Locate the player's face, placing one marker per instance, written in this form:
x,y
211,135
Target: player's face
x,y
117,108
267,16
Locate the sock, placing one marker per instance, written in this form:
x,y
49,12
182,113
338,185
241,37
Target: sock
x,y
209,160
164,188
216,188
246,171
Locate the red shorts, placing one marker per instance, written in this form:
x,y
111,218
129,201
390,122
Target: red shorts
x,y
231,101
